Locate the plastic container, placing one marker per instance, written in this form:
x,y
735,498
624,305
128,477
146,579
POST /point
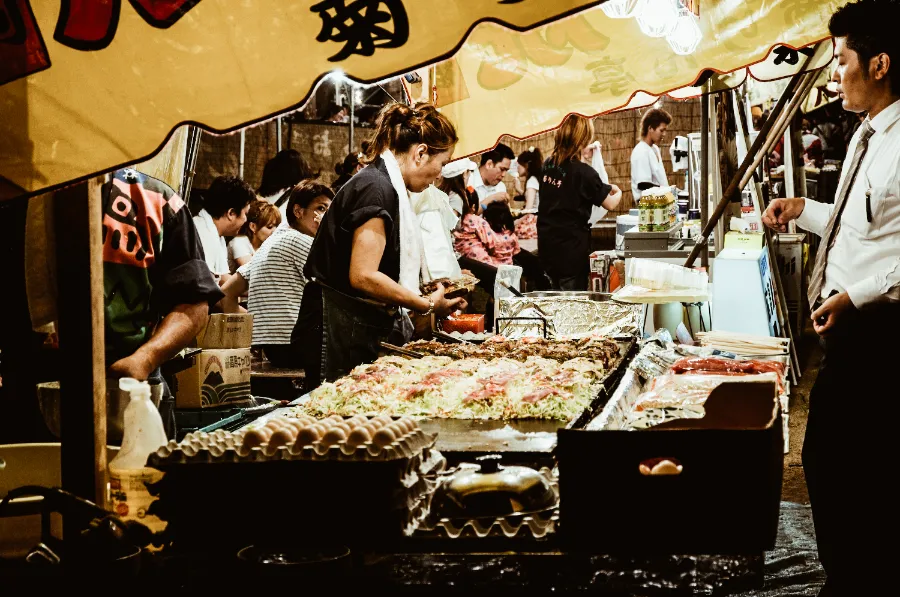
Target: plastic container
x,y
128,474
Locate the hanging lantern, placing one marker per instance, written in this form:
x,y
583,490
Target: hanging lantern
x,y
621,9
686,35
657,18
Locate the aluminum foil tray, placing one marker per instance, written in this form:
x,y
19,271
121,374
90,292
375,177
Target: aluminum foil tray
x,y
569,314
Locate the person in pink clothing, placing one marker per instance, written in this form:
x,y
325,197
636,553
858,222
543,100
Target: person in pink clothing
x,y
506,243
475,238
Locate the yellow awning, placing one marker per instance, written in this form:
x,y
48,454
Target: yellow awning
x,y
89,85
521,84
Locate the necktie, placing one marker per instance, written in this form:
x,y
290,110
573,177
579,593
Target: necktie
x,y
834,223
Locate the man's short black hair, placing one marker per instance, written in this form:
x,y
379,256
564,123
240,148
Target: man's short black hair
x,y
870,27
227,192
498,154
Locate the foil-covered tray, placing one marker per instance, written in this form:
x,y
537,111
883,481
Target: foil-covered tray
x,y
567,314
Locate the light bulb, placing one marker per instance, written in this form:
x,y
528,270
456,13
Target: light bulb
x,y
621,9
686,35
658,17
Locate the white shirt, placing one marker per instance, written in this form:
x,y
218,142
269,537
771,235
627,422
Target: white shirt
x,y
483,190
239,248
456,202
214,249
865,258
436,220
534,183
646,166
275,276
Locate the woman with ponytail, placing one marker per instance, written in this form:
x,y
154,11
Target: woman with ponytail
x,y
366,262
569,190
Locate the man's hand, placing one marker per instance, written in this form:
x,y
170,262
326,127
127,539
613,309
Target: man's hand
x,y
826,317
443,306
782,211
136,366
501,197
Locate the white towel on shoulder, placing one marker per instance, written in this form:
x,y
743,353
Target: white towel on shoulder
x,y
410,243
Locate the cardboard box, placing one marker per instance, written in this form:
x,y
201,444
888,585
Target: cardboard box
x,y
226,330
744,240
217,378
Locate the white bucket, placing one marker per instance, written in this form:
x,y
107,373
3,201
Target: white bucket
x,y
624,223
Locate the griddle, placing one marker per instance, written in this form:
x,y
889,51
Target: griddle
x,y
524,441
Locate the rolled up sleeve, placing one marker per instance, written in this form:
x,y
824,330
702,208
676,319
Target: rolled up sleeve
x,y
815,216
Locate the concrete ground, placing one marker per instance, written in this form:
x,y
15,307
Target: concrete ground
x,y
794,484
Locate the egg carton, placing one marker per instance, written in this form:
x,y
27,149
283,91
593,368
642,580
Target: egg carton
x,y
225,446
532,526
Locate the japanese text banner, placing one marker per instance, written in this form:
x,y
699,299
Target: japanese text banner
x,y
503,82
87,85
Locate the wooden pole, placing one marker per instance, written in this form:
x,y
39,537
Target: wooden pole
x,y
704,178
78,216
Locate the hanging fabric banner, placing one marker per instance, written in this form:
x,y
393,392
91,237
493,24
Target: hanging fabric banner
x,y
88,85
503,82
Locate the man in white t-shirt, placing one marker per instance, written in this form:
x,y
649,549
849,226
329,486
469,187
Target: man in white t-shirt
x,y
647,170
487,180
224,211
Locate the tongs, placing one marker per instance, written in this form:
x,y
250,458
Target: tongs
x,y
401,351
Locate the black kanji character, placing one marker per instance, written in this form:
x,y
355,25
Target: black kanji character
x,y
357,25
790,55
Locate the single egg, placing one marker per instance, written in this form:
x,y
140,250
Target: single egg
x,y
335,418
282,437
327,423
333,436
384,437
342,425
274,425
385,419
255,438
359,436
309,435
408,424
398,428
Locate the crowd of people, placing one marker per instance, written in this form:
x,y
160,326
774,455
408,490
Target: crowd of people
x,y
329,272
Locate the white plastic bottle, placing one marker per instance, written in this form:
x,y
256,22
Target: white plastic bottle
x,y
143,434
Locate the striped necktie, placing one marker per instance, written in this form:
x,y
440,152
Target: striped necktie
x,y
834,223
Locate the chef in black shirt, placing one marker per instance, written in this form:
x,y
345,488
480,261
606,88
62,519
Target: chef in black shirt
x,y
569,189
365,267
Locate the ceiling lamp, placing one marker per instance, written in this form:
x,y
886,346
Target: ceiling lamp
x,y
621,9
686,35
657,18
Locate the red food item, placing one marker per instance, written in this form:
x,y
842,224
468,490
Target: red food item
x,y
711,365
539,395
466,322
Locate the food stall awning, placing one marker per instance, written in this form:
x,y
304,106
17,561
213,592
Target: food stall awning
x,y
87,85
506,83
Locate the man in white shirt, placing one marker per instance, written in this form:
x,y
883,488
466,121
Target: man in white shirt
x,y
647,170
487,180
854,291
225,207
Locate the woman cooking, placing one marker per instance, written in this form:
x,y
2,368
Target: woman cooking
x,y
366,262
569,189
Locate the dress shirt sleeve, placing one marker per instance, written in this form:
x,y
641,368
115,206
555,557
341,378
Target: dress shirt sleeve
x,y
815,216
875,288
